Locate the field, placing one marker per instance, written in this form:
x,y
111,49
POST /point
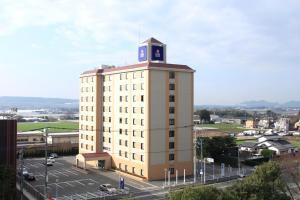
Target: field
x,y
54,127
228,128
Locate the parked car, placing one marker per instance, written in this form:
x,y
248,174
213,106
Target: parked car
x,y
49,163
24,171
53,155
51,159
29,177
107,188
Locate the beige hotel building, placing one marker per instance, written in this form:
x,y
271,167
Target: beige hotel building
x,y
138,118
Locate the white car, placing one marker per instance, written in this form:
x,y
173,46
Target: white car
x,y
51,159
107,188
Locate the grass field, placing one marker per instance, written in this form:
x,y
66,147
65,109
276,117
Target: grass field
x,y
54,127
295,142
228,128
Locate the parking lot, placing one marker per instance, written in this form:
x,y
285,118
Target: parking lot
x,y
65,182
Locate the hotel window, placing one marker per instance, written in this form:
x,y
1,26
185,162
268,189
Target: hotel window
x,y
120,154
134,98
142,86
86,108
120,98
126,109
103,119
171,156
103,139
86,137
133,170
109,98
126,157
120,131
172,171
171,98
171,110
126,143
171,75
92,79
171,121
109,119
109,140
142,172
142,98
86,146
126,98
81,108
103,128
120,142
120,87
92,89
92,148
109,129
81,136
92,118
171,133
126,87
103,108
109,77
103,88
133,109
120,109
109,88
133,75
126,120
133,156
81,127
120,165
81,117
142,74
142,134
142,158
81,99
133,144
109,109
121,76
86,89
142,110
87,99
171,145
103,98
142,122
133,133
126,133
134,87
87,127
86,118
92,108
92,98
92,138
172,86
133,121
87,79
92,128
142,146
120,120
81,145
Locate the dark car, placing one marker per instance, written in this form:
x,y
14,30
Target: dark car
x,y
29,177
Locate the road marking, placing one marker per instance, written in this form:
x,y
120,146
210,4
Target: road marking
x,y
71,172
58,172
80,183
51,174
58,185
58,163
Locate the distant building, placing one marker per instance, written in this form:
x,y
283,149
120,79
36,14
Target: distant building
x,y
250,123
196,119
231,120
8,132
297,125
140,116
264,124
282,125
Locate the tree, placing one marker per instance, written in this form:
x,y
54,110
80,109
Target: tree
x,y
267,153
204,115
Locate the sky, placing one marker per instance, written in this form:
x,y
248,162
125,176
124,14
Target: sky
x,y
241,50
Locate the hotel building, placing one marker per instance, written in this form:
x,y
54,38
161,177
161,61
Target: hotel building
x,y
138,118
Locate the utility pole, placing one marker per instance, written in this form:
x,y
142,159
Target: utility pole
x,y
239,163
22,177
195,143
46,156
201,164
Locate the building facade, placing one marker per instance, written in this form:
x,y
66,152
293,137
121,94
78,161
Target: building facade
x,y
141,115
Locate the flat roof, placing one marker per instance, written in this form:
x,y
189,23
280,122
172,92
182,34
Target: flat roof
x,y
148,65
